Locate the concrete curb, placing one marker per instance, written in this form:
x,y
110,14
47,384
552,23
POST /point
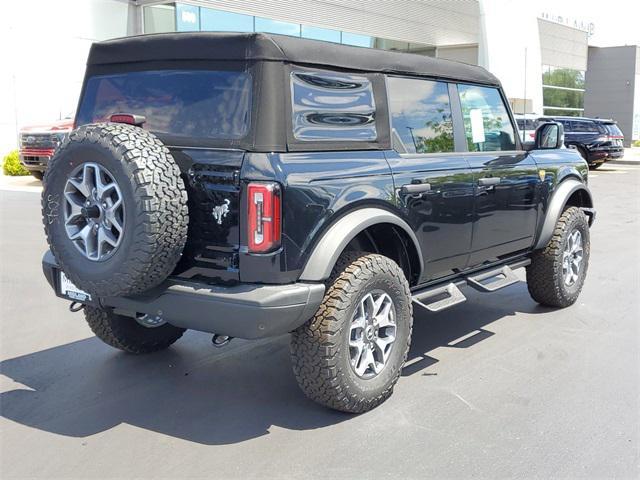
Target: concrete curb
x,y
623,162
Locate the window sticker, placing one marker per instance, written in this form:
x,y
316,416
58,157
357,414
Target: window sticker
x,y
477,125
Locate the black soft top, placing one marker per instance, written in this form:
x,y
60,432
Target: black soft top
x,y
198,46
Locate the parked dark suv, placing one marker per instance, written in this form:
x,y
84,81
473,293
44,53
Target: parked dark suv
x,y
598,140
251,185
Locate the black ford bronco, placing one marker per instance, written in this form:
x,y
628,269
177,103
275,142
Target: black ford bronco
x,y
251,185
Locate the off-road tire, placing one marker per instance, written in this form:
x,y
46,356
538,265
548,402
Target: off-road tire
x,y
127,334
544,276
155,200
319,348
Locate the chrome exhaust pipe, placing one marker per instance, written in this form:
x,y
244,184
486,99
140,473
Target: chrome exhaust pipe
x,y
220,341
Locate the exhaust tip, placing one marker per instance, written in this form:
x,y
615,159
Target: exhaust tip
x,y
219,341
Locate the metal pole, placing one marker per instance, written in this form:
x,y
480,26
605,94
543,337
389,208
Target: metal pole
x,y
524,99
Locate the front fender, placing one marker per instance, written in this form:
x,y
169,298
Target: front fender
x,y
558,201
325,254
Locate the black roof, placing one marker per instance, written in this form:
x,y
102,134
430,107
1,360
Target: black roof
x,y
569,117
279,48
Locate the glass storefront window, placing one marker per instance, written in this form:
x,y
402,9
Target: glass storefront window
x,y
317,33
357,40
553,97
562,77
562,91
180,17
159,18
274,26
220,21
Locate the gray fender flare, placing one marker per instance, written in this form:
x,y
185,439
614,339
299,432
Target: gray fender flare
x,y
563,191
325,254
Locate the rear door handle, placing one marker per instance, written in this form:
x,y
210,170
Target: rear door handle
x,y
487,181
413,188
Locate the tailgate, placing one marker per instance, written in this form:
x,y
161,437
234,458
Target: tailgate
x,y
212,178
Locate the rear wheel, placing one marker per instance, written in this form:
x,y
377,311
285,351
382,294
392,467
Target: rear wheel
x,y
125,333
350,354
557,272
595,166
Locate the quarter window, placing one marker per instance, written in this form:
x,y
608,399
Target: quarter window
x,y
332,107
486,121
420,116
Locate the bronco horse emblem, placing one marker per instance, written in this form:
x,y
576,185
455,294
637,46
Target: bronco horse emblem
x,y
221,211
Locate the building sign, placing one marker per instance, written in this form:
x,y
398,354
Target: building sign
x,y
187,18
580,24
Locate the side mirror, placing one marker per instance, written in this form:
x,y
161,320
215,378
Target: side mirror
x,y
549,135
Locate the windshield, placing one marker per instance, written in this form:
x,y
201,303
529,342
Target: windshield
x,y
528,124
613,129
186,103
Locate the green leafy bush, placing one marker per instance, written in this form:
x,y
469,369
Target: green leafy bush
x,y
11,165
636,143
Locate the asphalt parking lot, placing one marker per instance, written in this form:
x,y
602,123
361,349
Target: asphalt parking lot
x,y
497,387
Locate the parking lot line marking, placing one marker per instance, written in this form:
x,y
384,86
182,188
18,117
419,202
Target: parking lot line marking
x,y
12,188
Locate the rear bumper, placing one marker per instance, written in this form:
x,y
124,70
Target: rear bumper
x,y
615,154
602,154
245,310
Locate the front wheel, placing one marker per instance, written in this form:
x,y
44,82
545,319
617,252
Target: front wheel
x,y
350,354
557,272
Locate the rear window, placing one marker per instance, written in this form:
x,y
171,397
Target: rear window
x,y
580,126
184,103
527,124
613,129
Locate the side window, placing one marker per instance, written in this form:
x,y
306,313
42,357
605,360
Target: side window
x,y
331,106
568,126
486,120
420,116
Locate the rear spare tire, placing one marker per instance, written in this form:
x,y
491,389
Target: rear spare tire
x,y
114,209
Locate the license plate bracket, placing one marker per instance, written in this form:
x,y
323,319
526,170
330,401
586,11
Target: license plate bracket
x,y
68,290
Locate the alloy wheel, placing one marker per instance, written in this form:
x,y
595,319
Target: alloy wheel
x,y
93,211
372,334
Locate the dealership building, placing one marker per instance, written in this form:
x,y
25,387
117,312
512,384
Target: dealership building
x,y
543,59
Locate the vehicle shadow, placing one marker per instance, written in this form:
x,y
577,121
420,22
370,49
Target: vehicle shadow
x,y
201,394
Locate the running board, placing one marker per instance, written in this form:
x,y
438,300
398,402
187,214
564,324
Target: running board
x,y
436,299
451,293
497,279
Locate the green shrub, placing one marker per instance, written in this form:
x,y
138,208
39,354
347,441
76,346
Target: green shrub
x,y
636,143
11,165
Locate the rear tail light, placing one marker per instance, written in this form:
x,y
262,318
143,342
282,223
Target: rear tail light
x,y
264,217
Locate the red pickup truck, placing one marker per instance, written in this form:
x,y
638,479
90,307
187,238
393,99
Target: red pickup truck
x,y
39,142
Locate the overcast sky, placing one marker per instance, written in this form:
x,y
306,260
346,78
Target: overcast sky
x,y
616,22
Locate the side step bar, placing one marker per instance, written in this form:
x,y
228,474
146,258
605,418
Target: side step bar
x,y
433,300
436,299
